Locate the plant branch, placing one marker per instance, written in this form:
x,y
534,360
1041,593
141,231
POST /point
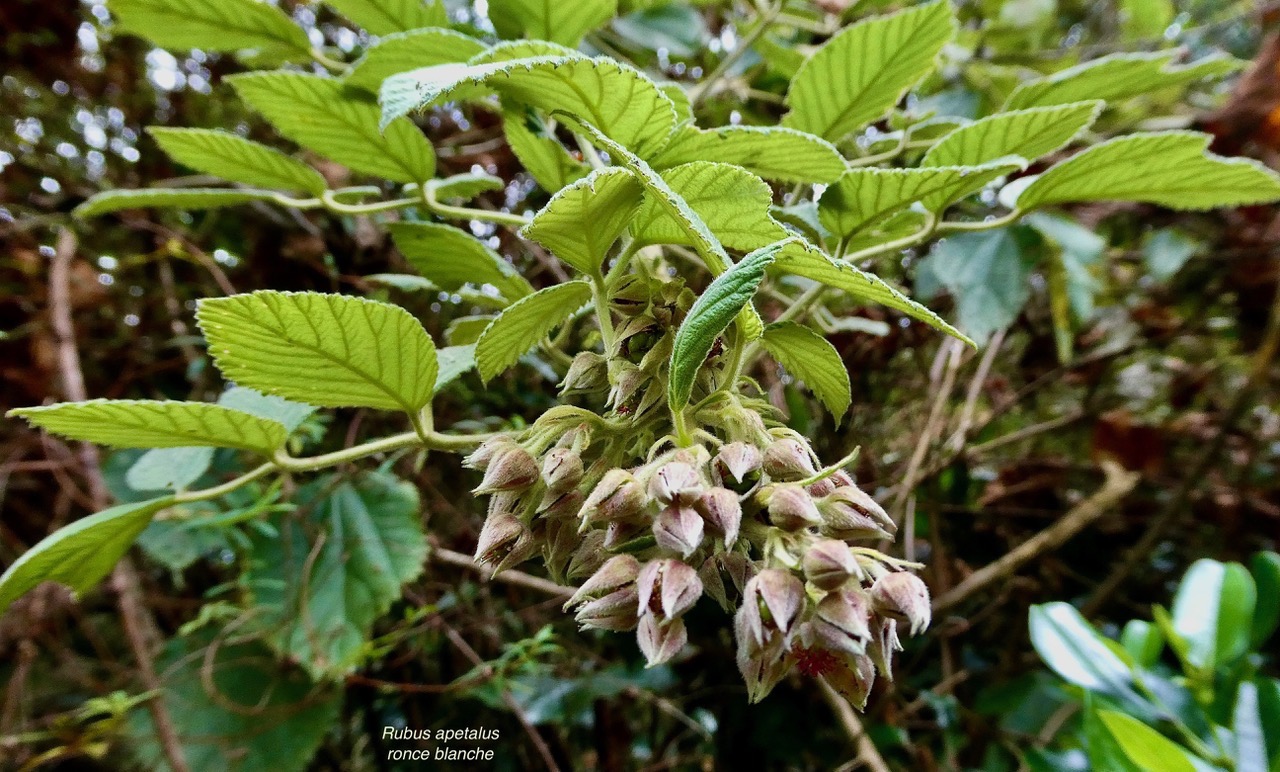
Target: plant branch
x,y
867,752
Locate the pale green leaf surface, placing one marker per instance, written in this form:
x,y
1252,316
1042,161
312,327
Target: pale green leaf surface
x,y
1028,134
772,152
1074,650
405,51
582,221
338,123
540,153
464,187
325,350
732,202
811,358
454,361
862,197
157,424
1213,612
1172,169
520,326
237,159
988,273
268,406
175,198
384,17
1115,77
1144,746
554,20
450,258
224,25
863,70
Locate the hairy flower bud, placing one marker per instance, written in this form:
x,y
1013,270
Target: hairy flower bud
x,y
762,663
510,468
787,460
483,455
842,622
675,482
723,512
848,501
616,497
617,571
668,588
561,469
737,466
904,597
660,640
776,593
884,642
589,556
790,506
829,563
678,529
853,678
504,541
615,611
589,372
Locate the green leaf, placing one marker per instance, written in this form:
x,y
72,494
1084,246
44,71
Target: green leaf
x,y
169,468
732,202
805,260
558,22
338,123
862,71
384,17
1115,77
156,424
318,587
1073,649
1265,568
539,152
466,330
325,350
450,258
1144,746
1172,169
405,51
1269,713
268,406
582,221
862,197
1213,611
811,358
454,361
225,25
177,198
617,99
235,706
237,159
80,554
1145,19
1165,252
1029,134
772,152
1247,728
1103,750
711,313
519,328
988,273
464,187
1143,641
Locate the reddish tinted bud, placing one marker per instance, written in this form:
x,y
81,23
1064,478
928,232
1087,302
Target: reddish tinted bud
x,y
787,460
904,597
790,507
723,512
660,640
829,563
678,529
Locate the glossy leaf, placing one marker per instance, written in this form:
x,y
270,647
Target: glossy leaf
x,y
164,198
1143,641
338,123
1144,746
351,352
1213,612
1074,650
236,159
1265,569
559,22
405,51
450,258
811,358
1103,750
384,17
1247,729
772,152
526,322
225,25
582,221
863,70
1115,77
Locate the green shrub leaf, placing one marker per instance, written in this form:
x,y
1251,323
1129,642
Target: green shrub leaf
x,y
175,198
1074,650
450,258
582,221
325,350
811,358
237,159
1144,746
405,51
519,328
711,313
1213,612
864,70
454,361
1265,569
988,273
541,154
80,554
732,202
1115,77
464,187
157,424
558,22
1172,169
619,100
862,197
773,152
226,25
338,123
1028,134
384,17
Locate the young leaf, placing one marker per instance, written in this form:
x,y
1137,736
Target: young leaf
x,y
237,159
464,187
1027,134
1172,169
176,198
80,554
1265,569
321,583
1213,611
862,197
1114,77
519,328
711,313
772,152
325,350
384,17
225,25
338,123
582,221
1103,750
541,154
1144,746
157,424
454,361
619,100
803,259
451,258
865,69
1143,641
811,358
1074,650
560,22
988,275
733,202
405,51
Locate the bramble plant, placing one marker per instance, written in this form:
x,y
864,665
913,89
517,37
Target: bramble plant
x,y
664,475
